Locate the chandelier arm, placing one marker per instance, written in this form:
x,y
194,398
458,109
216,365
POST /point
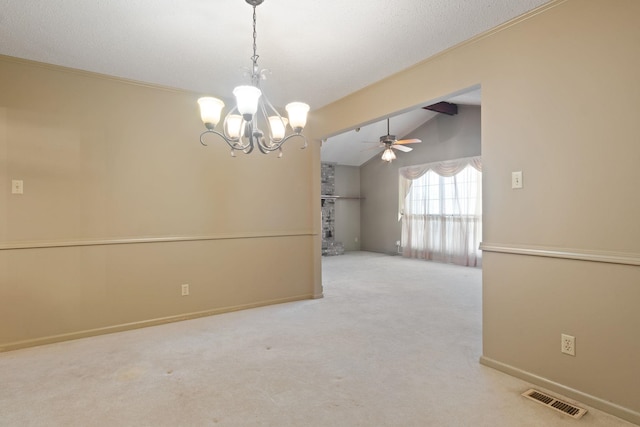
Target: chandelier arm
x,y
278,145
232,144
217,133
272,143
235,143
250,141
262,147
265,118
249,144
266,101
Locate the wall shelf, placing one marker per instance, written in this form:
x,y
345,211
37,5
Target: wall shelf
x,y
329,197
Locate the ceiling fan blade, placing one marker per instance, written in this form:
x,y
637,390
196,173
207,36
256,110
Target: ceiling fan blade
x,y
408,141
376,147
402,148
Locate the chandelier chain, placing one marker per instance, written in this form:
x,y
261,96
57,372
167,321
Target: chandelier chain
x,y
254,58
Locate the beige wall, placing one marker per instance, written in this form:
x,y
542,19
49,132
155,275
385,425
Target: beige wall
x,y
443,138
122,205
560,97
347,225
102,160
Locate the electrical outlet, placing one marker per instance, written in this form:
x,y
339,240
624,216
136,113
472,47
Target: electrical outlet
x,y
568,344
185,290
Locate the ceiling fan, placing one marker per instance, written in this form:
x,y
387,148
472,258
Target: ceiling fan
x,y
389,141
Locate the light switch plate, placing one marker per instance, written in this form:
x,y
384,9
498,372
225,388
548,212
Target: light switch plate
x,y
516,179
17,186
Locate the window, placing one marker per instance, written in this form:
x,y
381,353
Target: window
x,y
442,211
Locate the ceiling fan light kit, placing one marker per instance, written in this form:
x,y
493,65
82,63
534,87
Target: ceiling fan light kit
x,y
388,155
240,129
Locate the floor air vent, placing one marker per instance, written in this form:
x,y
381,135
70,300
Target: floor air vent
x,y
557,404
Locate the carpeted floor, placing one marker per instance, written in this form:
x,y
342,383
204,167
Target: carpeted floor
x,y
395,342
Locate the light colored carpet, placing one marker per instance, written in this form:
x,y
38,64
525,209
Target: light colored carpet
x,y
395,342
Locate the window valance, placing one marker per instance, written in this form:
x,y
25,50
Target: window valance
x,y
443,168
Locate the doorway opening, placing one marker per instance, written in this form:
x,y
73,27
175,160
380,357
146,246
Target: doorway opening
x,y
360,191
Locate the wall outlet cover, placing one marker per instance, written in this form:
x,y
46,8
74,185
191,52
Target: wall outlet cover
x,y
568,344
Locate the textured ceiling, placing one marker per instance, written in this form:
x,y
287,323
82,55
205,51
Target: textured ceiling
x,y
318,51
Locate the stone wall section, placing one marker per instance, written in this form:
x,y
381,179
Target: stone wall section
x,y
329,245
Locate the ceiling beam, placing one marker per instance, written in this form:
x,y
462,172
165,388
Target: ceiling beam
x,y
444,108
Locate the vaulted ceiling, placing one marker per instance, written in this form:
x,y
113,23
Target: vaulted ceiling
x,y
357,146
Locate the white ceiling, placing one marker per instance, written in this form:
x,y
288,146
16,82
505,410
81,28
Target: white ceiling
x,y
318,51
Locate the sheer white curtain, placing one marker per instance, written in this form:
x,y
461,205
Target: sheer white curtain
x,y
441,210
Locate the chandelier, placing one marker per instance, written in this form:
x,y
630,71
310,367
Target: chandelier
x,y
241,128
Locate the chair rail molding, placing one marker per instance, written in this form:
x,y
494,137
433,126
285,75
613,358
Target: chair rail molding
x,y
565,253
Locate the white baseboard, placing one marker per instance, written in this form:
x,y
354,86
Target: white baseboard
x,y
577,395
143,324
